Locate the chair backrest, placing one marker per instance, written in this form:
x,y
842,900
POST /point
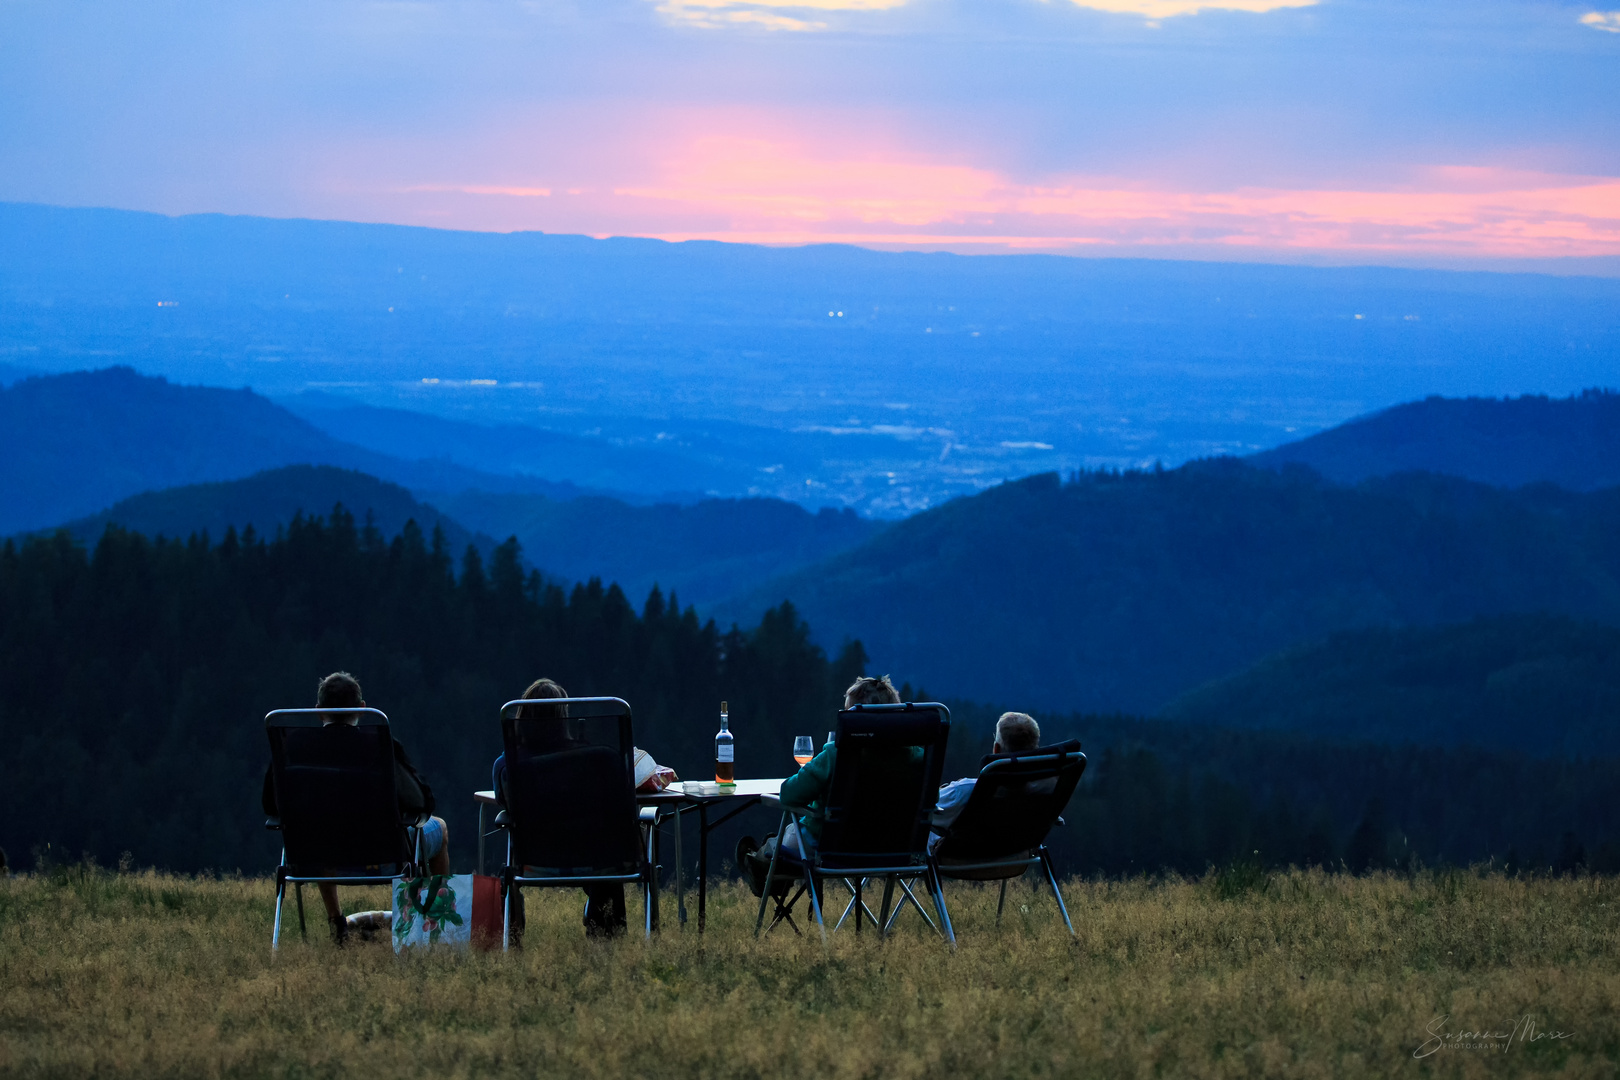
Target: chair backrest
x,y
884,782
570,786
1015,802
334,786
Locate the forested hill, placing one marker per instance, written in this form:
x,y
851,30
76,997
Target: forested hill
x,y
1573,442
134,677
1539,685
709,550
1122,591
270,500
74,444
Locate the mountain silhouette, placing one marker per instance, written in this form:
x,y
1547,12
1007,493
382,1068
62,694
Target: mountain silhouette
x,y
1573,441
1121,591
706,552
271,499
1542,685
76,443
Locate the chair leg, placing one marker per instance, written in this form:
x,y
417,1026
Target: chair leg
x,y
1057,894
506,913
770,875
275,933
298,891
883,914
650,884
909,897
1001,903
784,913
815,901
849,907
938,888
507,875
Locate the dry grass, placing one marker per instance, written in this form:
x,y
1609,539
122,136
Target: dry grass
x,y
1304,975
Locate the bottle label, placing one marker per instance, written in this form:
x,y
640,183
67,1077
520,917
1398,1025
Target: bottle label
x,y
724,752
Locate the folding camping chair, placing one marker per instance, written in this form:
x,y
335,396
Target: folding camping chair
x,y
571,818
1001,830
874,820
339,820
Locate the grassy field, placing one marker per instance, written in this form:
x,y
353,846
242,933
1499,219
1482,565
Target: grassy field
x,y
1298,974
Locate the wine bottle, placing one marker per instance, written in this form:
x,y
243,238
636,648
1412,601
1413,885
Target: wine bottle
x,y
725,769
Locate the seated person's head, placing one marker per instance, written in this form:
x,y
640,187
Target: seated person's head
x,y
869,691
539,690
1016,732
339,690
553,735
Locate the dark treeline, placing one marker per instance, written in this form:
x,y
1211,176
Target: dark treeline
x,y
1161,795
134,677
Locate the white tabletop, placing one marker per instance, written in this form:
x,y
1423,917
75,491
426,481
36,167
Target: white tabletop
x,y
693,789
708,789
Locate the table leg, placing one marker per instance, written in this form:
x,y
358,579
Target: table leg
x,y
703,863
680,893
657,849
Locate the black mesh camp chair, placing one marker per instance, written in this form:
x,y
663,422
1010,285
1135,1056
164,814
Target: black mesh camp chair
x,y
875,816
339,820
1001,830
571,818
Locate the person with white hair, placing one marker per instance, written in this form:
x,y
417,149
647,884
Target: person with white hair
x,y
1015,732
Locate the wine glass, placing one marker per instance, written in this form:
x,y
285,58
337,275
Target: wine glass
x,y
803,749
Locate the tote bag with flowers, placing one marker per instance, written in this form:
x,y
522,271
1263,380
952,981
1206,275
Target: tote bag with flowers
x,y
446,910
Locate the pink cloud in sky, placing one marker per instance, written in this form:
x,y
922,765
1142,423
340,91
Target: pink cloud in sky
x,y
750,179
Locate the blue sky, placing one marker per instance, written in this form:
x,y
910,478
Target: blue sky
x,y
1439,133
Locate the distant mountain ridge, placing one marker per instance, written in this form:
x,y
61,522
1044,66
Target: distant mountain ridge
x,y
708,551
1573,442
1121,591
918,392
76,443
625,473
705,552
1542,685
269,500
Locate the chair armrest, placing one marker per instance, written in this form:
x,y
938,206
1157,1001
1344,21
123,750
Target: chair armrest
x,y
801,811
415,822
649,815
273,823
502,821
1060,821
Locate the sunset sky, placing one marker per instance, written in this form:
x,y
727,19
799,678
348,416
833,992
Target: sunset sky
x,y
1441,132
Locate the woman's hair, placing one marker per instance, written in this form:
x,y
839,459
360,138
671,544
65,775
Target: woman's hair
x,y
869,691
541,689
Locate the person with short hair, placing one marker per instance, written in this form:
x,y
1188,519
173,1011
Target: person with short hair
x,y
1015,732
340,690
809,786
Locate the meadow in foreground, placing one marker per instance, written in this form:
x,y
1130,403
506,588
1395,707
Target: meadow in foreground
x,y
1294,974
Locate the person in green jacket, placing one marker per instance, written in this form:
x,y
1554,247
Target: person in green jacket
x,y
809,786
